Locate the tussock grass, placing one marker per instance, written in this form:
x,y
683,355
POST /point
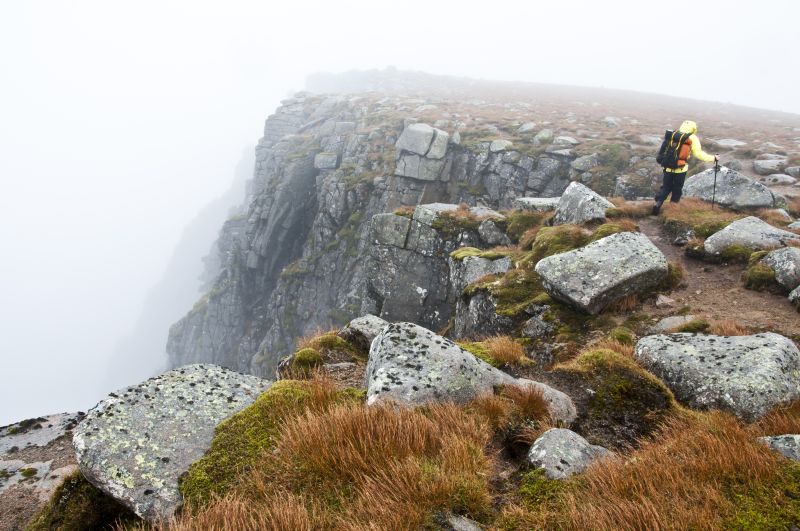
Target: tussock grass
x,y
699,471
353,467
728,327
780,421
697,215
505,350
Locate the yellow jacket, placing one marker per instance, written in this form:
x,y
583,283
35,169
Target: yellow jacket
x,y
697,151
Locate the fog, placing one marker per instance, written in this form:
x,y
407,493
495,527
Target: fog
x,y
120,122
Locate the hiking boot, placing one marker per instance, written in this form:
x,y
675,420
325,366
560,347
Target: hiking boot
x,y
656,209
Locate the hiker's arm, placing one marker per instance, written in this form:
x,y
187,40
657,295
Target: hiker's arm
x,y
698,153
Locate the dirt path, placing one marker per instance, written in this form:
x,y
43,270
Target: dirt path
x,y
716,292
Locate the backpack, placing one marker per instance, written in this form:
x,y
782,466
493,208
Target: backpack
x,y
675,150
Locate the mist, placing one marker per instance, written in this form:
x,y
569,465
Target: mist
x,y
121,123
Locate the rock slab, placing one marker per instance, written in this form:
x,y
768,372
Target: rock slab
x,y
599,274
579,204
788,445
361,331
750,232
745,375
135,444
410,365
733,189
563,453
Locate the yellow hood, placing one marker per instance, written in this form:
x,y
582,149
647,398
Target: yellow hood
x,y
688,127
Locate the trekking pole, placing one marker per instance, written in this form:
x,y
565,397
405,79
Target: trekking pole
x,y
714,192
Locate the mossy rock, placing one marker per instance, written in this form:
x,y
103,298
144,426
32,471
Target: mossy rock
x,y
626,402
241,439
305,360
556,240
518,222
760,277
736,253
491,254
77,504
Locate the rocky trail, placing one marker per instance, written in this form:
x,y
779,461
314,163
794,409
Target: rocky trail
x,y
716,292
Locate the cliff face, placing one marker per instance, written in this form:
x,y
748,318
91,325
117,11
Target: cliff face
x,y
300,258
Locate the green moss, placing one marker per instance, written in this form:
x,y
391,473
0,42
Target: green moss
x,y
627,403
694,326
555,240
736,253
480,351
773,504
535,489
491,254
759,277
28,472
520,221
241,439
622,335
77,504
306,359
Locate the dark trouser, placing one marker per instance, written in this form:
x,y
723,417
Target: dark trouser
x,y
672,183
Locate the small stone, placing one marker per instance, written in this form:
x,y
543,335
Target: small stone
x,y
563,453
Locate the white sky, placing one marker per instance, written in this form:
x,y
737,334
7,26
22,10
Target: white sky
x,y
120,120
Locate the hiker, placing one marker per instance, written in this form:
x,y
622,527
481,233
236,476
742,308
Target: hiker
x,y
674,155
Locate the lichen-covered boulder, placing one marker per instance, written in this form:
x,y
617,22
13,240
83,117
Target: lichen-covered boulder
x,y
594,276
469,269
786,264
563,453
746,375
362,330
537,204
410,365
579,204
751,233
788,445
135,444
733,189
769,166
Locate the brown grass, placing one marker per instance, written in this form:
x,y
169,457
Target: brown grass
x,y
623,208
356,467
728,328
772,217
682,478
696,214
625,304
780,421
616,346
312,340
505,350
793,205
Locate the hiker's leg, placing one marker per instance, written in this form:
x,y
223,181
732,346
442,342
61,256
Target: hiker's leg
x,y
666,187
677,186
